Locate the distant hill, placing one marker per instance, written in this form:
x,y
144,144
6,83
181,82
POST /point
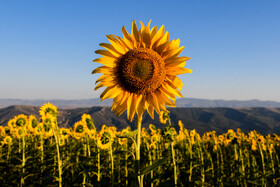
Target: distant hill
x,y
264,120
180,102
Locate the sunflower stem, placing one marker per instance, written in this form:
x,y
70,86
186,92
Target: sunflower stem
x,y
138,143
112,164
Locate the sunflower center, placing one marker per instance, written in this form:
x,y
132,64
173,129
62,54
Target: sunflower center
x,y
141,71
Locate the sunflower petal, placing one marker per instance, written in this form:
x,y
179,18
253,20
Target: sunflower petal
x,y
110,92
110,62
173,52
104,84
177,70
129,105
102,69
116,44
135,33
152,100
106,53
151,111
178,83
173,90
141,107
110,48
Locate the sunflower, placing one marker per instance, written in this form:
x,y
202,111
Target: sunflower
x,y
19,132
105,137
8,140
48,108
140,70
20,120
12,123
32,123
49,122
88,120
80,129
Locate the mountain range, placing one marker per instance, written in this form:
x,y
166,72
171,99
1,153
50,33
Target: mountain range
x,y
180,102
263,120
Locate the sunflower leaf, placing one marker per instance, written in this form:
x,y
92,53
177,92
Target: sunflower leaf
x,y
153,166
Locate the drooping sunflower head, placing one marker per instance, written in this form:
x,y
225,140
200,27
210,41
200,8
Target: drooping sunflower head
x,y
88,120
32,123
12,123
48,108
20,120
140,70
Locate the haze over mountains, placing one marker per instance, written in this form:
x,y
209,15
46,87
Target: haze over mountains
x,y
180,102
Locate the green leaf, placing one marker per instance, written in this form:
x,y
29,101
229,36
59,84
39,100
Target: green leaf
x,y
153,166
132,134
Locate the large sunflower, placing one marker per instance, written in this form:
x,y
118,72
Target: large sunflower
x,y
140,70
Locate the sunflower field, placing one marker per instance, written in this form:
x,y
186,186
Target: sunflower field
x,y
36,152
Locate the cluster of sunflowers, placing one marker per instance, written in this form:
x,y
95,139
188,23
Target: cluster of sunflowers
x,y
227,158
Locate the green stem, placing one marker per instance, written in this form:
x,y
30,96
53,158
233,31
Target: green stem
x,y
98,165
263,165
138,143
23,159
58,157
112,164
174,163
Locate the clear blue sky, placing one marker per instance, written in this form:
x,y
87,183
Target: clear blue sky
x,y
47,47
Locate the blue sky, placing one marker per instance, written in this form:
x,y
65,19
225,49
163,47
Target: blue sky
x,y
47,47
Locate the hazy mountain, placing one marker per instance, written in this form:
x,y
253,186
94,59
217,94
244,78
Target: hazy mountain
x,y
264,120
180,102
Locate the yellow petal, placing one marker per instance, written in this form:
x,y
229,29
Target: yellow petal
x,y
106,53
116,44
126,45
166,92
172,53
111,49
110,92
135,33
176,61
164,39
172,90
177,70
152,100
104,77
178,83
110,62
157,35
141,107
102,69
167,100
104,84
134,104
129,102
151,111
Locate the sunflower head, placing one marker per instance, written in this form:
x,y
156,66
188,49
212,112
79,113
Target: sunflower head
x,y
12,123
19,132
49,121
140,70
48,108
168,134
80,129
8,140
20,120
105,137
33,121
164,116
88,120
